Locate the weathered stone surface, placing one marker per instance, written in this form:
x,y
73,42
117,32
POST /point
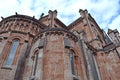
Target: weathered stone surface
x,y
45,47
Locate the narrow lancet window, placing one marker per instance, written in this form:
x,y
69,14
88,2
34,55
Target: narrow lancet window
x,y
12,52
35,63
36,66
72,62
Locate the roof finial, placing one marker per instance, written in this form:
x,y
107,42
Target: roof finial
x,y
2,17
33,16
41,15
55,11
16,13
49,11
81,12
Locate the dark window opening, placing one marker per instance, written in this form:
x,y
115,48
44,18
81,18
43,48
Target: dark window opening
x,y
35,63
72,62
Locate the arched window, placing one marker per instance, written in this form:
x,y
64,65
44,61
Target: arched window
x,y
37,64
72,62
12,52
93,65
35,58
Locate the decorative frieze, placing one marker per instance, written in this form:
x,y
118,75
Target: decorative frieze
x,y
57,31
21,23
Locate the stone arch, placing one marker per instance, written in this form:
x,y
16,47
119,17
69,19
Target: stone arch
x,y
36,50
21,39
74,51
8,46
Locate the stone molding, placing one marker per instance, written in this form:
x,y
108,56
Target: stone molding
x,y
58,31
22,18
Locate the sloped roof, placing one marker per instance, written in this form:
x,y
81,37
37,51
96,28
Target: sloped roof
x,y
75,23
58,21
61,23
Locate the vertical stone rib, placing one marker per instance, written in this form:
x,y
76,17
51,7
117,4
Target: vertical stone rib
x,y
83,54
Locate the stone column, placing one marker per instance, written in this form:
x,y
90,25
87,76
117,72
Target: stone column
x,y
84,62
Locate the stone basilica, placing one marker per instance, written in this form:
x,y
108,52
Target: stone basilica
x,y
47,49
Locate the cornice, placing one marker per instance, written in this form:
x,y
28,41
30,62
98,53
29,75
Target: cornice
x,y
2,32
24,18
20,32
58,31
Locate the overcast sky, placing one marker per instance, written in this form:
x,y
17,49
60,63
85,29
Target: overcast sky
x,y
105,12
